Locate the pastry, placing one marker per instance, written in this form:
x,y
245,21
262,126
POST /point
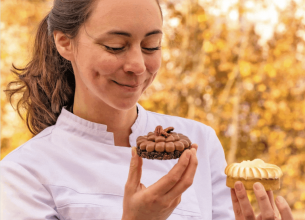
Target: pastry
x,y
162,144
250,172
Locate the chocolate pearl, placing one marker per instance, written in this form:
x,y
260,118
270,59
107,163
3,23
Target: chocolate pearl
x,y
140,137
140,141
179,145
188,140
150,146
186,144
170,139
160,146
169,147
143,145
151,138
176,137
160,139
169,129
185,138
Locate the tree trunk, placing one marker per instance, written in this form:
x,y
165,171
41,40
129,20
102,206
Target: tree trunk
x,y
235,123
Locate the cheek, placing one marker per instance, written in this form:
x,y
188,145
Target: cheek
x,y
154,63
106,66
94,60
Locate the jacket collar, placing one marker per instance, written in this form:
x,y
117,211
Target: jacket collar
x,y
90,130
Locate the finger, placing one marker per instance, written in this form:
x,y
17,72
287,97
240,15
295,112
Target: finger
x,y
167,182
259,217
176,202
236,207
271,199
194,146
141,187
135,172
243,200
284,208
186,179
263,201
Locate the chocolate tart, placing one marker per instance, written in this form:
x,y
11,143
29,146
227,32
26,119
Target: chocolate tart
x,y
162,144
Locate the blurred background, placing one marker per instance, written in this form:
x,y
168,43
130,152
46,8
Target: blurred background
x,y
235,65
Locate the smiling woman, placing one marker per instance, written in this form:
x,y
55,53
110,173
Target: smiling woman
x,y
92,61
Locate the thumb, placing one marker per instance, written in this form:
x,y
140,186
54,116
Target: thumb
x,y
135,170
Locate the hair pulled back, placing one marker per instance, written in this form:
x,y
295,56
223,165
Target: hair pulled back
x,y
47,82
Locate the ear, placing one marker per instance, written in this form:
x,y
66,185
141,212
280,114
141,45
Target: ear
x,y
63,45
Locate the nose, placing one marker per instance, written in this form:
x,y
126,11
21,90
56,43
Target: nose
x,y
135,62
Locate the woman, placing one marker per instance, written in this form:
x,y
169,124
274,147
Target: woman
x,y
92,61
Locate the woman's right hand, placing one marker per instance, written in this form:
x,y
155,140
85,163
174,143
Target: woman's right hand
x,y
270,210
158,201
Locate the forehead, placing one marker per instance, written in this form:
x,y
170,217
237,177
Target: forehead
x,y
134,16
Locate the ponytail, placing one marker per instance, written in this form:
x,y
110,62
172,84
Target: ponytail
x,y
47,83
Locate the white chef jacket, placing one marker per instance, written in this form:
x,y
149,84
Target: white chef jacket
x,y
73,171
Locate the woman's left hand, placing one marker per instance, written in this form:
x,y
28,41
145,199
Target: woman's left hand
x,y
270,210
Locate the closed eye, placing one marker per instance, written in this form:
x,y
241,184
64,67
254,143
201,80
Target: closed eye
x,y
114,49
151,49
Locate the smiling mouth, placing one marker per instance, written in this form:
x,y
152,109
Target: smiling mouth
x,y
131,86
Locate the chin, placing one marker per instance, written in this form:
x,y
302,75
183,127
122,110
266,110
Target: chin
x,y
124,105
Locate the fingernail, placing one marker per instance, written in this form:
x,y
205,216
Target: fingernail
x,y
257,186
279,199
238,186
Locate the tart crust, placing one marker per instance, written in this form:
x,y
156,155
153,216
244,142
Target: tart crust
x,y
269,184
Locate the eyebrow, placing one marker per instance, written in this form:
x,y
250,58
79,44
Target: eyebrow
x,y
123,33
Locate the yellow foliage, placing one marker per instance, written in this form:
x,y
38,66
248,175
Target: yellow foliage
x,y
302,197
299,142
299,126
261,87
208,47
220,44
299,205
202,18
288,62
270,70
244,68
257,78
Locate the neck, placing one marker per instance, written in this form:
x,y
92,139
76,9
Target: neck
x,y
118,122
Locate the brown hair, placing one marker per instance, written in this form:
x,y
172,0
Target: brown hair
x,y
47,82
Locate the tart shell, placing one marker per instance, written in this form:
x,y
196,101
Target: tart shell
x,y
269,184
159,155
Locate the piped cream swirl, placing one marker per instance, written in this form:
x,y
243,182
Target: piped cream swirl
x,y
253,170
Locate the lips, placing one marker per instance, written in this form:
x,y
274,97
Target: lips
x,y
128,85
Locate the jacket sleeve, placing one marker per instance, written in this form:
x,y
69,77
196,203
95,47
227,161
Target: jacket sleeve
x,y
23,197
221,196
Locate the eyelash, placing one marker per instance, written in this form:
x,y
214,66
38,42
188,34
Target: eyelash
x,y
115,49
